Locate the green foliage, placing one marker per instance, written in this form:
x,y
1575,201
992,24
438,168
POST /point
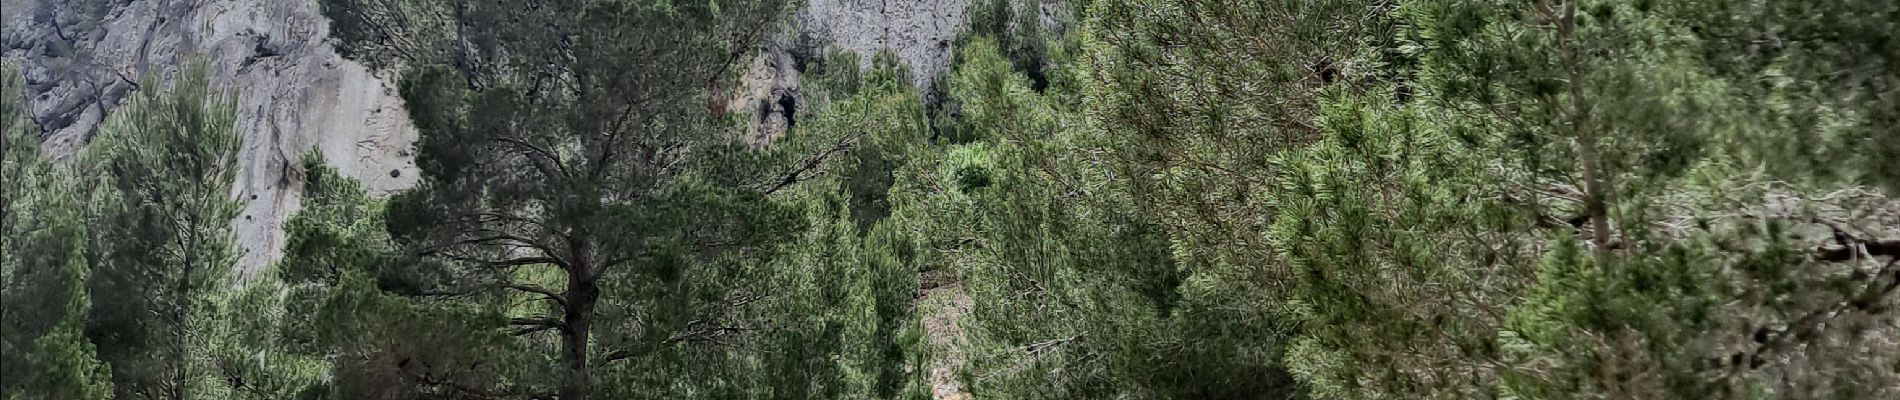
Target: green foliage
x,y
378,320
67,368
1821,74
25,174
1017,28
1475,199
43,271
1337,199
250,352
842,319
843,326
568,165
1492,199
144,215
864,135
1072,290
161,234
1380,240
47,299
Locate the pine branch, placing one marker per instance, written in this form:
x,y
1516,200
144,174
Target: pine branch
x,y
532,325
797,173
550,294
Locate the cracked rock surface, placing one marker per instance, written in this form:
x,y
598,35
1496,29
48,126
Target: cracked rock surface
x,y
295,95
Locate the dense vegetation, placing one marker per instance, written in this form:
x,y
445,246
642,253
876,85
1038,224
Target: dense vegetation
x,y
1129,199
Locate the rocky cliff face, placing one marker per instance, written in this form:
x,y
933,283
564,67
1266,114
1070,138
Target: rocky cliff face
x,y
82,57
918,32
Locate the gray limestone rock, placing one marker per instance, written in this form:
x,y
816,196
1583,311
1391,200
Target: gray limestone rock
x,y
82,57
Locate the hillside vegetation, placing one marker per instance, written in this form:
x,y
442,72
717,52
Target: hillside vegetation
x,y
1107,199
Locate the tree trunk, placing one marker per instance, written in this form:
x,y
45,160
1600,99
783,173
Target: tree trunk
x,y
181,315
577,318
1596,201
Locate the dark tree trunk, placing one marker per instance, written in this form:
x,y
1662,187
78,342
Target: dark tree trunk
x,y
577,318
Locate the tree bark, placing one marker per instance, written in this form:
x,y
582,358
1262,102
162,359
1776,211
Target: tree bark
x,y
1596,190
576,320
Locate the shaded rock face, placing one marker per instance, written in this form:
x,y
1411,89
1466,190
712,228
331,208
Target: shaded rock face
x,y
920,33
81,58
768,94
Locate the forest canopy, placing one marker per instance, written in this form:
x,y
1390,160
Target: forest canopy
x,y
1098,199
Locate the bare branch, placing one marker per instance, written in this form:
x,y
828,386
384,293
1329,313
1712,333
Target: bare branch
x,y
704,334
529,330
809,164
532,325
548,155
550,294
549,256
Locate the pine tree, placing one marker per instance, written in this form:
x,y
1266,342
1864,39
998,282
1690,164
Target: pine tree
x,y
1620,126
840,324
18,162
379,321
253,354
161,234
566,160
1520,200
1073,293
63,363
67,367
1337,199
1824,73
43,295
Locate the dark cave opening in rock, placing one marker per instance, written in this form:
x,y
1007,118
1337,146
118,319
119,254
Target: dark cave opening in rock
x,y
788,107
